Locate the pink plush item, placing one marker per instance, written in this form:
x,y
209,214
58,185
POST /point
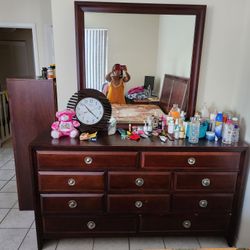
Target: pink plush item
x,y
65,126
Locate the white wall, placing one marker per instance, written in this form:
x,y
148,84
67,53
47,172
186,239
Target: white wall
x,y
135,47
35,12
223,77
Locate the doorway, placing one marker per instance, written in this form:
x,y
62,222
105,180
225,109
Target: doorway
x,y
16,54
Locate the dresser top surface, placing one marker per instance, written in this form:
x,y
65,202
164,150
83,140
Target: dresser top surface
x,y
114,142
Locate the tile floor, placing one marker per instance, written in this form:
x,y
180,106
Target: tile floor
x,y
17,229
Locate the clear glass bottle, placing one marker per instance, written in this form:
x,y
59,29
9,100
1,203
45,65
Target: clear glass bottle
x,y
227,132
194,130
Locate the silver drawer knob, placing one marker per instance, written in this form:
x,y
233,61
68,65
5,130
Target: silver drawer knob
x,y
88,160
205,182
72,204
191,161
203,203
138,204
91,225
186,223
71,182
139,182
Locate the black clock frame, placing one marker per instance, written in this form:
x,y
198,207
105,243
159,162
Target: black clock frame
x,y
102,125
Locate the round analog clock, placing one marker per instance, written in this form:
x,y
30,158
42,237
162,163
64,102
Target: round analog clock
x,y
93,110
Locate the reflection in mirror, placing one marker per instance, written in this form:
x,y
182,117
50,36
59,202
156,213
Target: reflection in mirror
x,y
152,40
150,45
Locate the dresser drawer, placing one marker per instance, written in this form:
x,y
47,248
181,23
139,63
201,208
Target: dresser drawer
x,y
89,224
72,203
205,181
202,202
49,181
138,203
214,160
139,182
174,222
76,160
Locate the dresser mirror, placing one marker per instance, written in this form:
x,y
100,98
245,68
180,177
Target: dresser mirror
x,y
151,39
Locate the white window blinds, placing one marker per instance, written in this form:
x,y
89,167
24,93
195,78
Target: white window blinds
x,y
95,57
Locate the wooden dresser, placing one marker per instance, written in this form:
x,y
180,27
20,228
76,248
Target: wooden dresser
x,y
116,187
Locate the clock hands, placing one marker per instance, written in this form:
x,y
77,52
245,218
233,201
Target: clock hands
x,y
90,111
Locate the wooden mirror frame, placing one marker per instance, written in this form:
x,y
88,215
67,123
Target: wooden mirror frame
x,y
143,8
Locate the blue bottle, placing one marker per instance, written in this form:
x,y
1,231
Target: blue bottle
x,y
218,125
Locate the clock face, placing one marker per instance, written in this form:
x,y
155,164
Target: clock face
x,y
89,111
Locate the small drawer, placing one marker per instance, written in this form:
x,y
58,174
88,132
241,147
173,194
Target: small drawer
x,y
188,222
206,181
202,160
152,182
76,160
138,203
202,202
92,182
72,203
89,224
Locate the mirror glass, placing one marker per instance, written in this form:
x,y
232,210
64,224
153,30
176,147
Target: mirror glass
x,y
148,44
160,41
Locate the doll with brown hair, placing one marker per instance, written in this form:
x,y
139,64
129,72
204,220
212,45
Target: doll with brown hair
x,y
116,78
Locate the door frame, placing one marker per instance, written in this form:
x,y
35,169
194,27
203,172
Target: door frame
x,y
31,26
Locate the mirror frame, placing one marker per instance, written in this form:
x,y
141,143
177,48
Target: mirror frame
x,y
144,8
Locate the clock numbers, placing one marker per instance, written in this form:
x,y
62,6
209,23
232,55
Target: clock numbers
x,y
89,111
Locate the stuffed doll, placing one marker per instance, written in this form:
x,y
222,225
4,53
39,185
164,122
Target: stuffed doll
x,y
65,126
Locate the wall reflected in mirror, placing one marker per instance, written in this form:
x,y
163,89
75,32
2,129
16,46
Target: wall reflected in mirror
x,y
150,45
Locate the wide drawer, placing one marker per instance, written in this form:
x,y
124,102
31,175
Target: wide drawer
x,y
72,203
71,181
139,182
205,181
89,224
214,160
202,202
75,160
138,203
174,222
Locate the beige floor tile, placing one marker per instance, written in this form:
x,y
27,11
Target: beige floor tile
x,y
10,187
18,219
7,200
10,239
6,174
181,242
9,165
75,244
214,242
3,213
138,243
111,243
2,183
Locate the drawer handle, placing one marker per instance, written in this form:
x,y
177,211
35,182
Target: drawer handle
x,y
186,224
72,204
71,182
139,182
88,160
205,182
91,225
138,204
191,161
203,203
